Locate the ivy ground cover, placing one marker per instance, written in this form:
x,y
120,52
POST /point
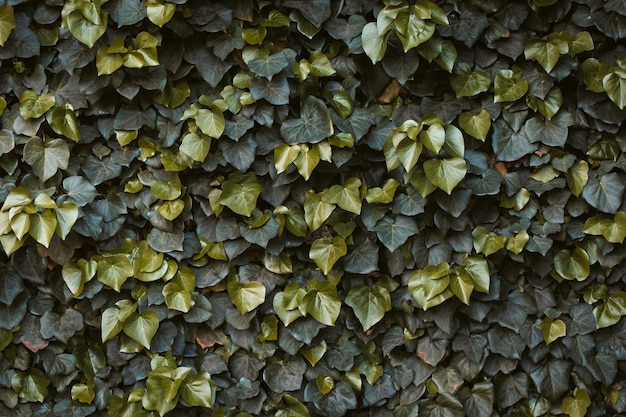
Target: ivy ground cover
x,y
291,208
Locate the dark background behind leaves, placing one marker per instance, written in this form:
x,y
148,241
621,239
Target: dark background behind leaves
x,y
239,208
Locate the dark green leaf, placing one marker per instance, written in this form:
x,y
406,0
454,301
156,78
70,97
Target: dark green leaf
x,y
313,125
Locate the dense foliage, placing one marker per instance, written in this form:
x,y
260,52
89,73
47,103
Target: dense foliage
x,y
299,208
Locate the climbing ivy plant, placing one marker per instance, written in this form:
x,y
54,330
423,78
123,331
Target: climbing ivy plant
x,y
400,208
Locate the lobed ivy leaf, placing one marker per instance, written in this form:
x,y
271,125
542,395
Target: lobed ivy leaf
x,y
322,301
246,297
313,125
7,23
142,327
369,303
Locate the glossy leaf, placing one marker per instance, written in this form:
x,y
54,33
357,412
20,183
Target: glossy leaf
x,y
369,303
325,252
142,327
246,297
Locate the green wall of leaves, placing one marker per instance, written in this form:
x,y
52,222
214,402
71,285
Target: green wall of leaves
x,y
291,208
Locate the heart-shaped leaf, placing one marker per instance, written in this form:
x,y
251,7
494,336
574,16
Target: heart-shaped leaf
x,y
246,297
325,252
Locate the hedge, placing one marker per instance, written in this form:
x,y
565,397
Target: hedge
x,y
296,208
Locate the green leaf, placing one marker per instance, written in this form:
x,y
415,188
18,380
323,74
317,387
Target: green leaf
x,y
322,301
42,226
7,23
46,158
462,286
77,274
615,86
177,298
446,174
160,12
211,122
487,242
246,297
347,196
170,210
611,311
430,286
515,244
604,191
369,303
374,44
64,122
411,30
577,177
114,270
142,327
107,63
110,324
478,271
198,390
66,215
546,52
577,405
509,86
316,211
613,231
477,125
195,146
87,30
434,137
383,195
33,105
17,197
284,155
31,386
325,252
83,393
552,329
313,125
394,232
240,193
468,83
572,264
306,162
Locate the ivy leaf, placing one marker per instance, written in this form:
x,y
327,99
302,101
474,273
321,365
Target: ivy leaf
x,y
510,145
246,297
447,173
347,196
160,12
613,231
577,405
114,270
240,193
313,125
42,226
477,125
142,327
198,390
48,157
62,327
195,146
322,302
369,303
577,177
316,210
87,29
552,329
572,264
270,65
31,385
604,192
487,242
615,86
7,23
468,83
33,105
64,122
374,43
546,52
325,252
509,86
393,232
413,31
210,122
362,259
